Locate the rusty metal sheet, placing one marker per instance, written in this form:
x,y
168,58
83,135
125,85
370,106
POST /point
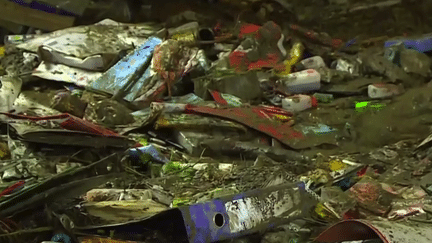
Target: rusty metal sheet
x,y
388,231
253,117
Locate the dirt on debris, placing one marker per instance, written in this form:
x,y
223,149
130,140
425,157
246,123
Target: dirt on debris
x,y
217,121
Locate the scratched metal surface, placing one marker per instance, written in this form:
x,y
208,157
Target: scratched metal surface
x,y
119,75
242,214
401,231
250,116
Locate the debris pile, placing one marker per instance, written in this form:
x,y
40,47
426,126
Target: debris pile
x,y
202,130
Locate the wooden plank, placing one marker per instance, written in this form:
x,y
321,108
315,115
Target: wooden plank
x,y
18,14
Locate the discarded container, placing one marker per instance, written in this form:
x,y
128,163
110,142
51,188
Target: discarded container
x,y
299,82
315,62
387,231
382,90
298,103
423,44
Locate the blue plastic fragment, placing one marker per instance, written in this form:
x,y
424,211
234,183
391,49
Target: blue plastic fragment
x,y
350,42
423,44
151,150
120,74
61,238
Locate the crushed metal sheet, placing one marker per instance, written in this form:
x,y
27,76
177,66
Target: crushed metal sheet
x,y
63,73
120,75
100,38
251,117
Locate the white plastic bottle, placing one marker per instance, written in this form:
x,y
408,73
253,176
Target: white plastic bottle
x,y
299,82
297,103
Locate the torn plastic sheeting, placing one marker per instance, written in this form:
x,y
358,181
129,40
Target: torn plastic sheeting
x,y
234,216
69,122
254,117
63,73
388,232
118,76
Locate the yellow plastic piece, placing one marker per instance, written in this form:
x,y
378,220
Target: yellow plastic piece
x,y
337,165
295,55
282,117
2,51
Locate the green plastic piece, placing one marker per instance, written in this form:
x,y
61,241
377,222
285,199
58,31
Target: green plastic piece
x,y
364,105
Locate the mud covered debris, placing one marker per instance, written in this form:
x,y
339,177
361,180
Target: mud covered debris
x,y
216,121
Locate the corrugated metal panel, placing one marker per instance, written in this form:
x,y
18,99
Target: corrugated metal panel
x,y
120,75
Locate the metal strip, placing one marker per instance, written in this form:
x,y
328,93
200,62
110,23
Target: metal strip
x,y
243,214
